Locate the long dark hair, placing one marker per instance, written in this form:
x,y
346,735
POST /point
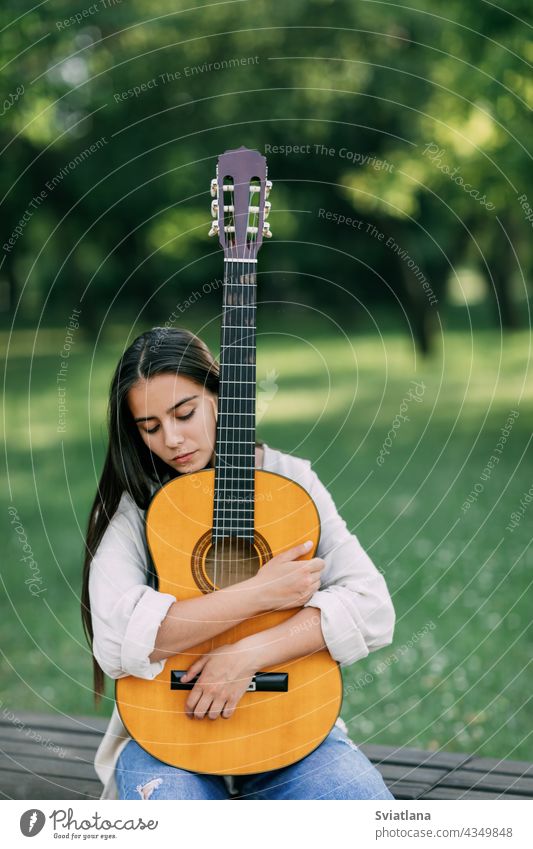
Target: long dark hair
x,y
129,465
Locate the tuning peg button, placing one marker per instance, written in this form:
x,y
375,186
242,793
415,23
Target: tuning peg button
x,y
268,207
267,233
214,231
214,187
214,208
268,187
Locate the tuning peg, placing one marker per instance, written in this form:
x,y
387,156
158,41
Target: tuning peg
x,y
214,208
214,187
268,207
268,187
267,233
214,229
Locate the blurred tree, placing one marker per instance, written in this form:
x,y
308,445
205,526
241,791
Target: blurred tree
x,y
411,120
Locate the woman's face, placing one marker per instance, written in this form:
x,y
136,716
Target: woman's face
x,y
176,418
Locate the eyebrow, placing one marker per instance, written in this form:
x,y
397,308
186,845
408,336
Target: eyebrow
x,y
183,401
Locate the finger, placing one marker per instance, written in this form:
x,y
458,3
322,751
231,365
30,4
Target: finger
x,y
297,550
216,708
193,698
229,708
194,669
203,706
315,565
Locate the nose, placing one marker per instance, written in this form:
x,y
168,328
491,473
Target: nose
x,y
173,435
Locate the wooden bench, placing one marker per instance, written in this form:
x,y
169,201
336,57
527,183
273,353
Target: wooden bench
x,y
45,756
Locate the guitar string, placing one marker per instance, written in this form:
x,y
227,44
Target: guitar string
x,y
244,364
240,307
226,395
246,451
238,345
252,343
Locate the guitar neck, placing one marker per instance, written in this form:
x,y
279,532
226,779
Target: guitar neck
x,y
235,440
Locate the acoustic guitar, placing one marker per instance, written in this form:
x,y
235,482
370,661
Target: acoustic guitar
x,y
209,529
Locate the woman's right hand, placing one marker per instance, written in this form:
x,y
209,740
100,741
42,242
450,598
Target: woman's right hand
x,y
285,581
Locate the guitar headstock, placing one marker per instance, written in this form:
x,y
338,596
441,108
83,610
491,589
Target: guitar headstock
x,y
240,206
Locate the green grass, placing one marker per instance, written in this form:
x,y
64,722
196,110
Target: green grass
x,y
457,675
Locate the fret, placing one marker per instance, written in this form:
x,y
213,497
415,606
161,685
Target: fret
x,y
248,506
233,531
232,509
241,510
238,444
243,497
245,510
234,489
244,468
244,492
235,512
236,455
235,326
240,441
232,347
235,534
228,480
233,495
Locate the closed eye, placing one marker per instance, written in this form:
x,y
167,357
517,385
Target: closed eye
x,y
180,418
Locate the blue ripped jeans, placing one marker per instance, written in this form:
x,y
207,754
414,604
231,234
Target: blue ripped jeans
x,y
336,769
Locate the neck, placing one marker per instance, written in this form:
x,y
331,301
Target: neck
x,y
235,441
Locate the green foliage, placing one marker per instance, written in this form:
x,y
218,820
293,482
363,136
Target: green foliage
x,y
168,90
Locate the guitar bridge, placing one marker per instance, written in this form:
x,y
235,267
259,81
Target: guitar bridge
x,y
262,682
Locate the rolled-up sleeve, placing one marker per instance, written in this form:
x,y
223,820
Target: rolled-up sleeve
x,y
126,613
357,613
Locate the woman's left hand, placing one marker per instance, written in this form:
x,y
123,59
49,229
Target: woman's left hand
x,y
225,675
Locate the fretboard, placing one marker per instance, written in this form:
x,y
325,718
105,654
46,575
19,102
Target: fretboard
x,y
233,514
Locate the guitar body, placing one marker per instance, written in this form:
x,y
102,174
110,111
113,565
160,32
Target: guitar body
x,y
268,730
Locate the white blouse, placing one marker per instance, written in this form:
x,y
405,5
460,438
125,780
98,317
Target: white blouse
x,y
357,614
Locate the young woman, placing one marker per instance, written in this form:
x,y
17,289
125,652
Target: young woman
x,y
162,423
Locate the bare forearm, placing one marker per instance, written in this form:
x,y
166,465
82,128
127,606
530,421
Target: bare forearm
x,y
298,636
195,620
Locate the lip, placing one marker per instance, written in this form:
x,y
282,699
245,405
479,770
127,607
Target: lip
x,y
183,458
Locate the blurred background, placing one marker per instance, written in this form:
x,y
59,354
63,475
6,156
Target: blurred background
x,y
393,320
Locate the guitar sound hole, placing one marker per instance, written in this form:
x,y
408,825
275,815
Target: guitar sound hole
x,y
231,560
